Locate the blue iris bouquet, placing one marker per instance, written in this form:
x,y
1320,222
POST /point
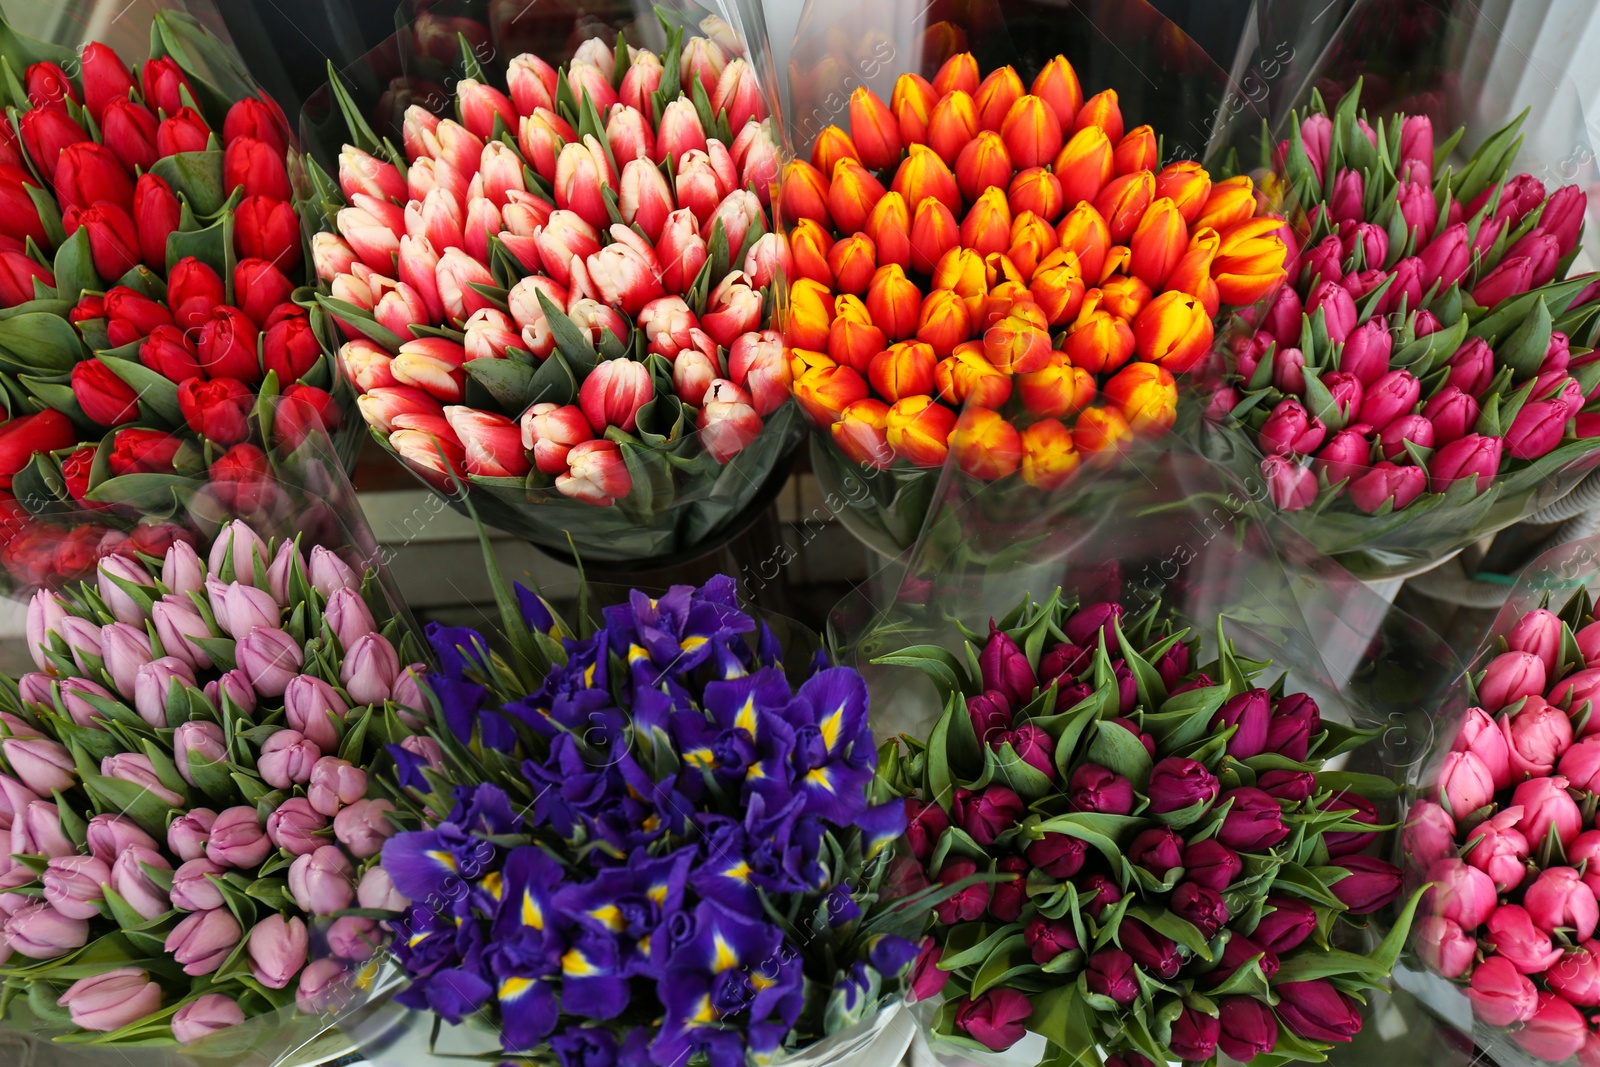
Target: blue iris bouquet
x,y
646,846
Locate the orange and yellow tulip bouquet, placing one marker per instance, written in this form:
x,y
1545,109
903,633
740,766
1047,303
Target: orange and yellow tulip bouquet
x,y
560,293
1003,274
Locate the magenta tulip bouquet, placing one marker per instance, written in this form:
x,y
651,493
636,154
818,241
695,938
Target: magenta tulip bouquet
x,y
1505,832
564,293
1426,377
191,788
1168,868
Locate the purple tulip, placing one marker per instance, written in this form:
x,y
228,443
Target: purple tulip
x,y
121,604
277,949
925,826
135,767
1338,308
1158,850
1238,952
1471,456
1195,1035
1058,855
141,892
1048,939
1348,842
984,816
323,881
210,1014
1317,1011
201,942
1285,926
236,688
1291,486
1406,289
1095,788
1007,899
1247,1028
1156,953
237,839
193,887
1106,893
1250,712
271,659
1177,783
1289,430
1202,908
111,1000
111,835
188,833
40,932
1031,744
74,885
1109,973
370,668
287,759
1211,864
294,826
990,713
238,544
364,826
1345,456
124,649
1254,823
1084,627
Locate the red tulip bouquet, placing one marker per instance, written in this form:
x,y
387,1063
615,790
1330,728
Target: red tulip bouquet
x,y
148,259
1504,829
564,293
192,794
1426,379
1000,274
1173,867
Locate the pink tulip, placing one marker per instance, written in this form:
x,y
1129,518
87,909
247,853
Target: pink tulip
x,y
188,833
42,765
1501,995
641,81
277,949
179,625
1443,946
1513,934
141,892
287,759
210,1014
1510,677
37,832
194,887
110,835
756,363
137,769
1580,765
1465,784
203,941
1290,430
1292,487
238,840
324,987
1483,737
322,882
1555,1032
232,687
1429,833
377,892
1558,899
198,739
1546,805
353,938
1499,849
1537,429
112,999
46,611
1387,483
1460,893
73,885
293,827
1536,735
1576,976
40,932
114,569
767,258
582,170
364,826
270,658
335,783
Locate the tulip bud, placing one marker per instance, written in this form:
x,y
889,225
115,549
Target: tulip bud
x,y
1469,456
1174,331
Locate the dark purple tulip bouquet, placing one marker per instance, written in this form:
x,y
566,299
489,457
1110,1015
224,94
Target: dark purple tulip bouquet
x,y
1168,864
651,847
191,793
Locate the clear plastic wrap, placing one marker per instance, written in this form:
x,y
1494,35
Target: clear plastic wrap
x,y
667,453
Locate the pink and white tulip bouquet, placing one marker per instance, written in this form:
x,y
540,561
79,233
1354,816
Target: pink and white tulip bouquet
x,y
1426,377
564,294
1505,831
191,794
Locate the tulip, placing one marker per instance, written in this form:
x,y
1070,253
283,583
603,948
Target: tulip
x,y
1558,899
46,132
1512,933
1195,1034
74,886
1510,677
138,889
727,422
1316,1011
919,430
1109,973
112,999
1289,430
108,836
597,474
1157,851
984,816
40,932
187,835
1177,783
1444,947
1546,805
201,942
1537,735
42,765
210,1014
1173,331
1537,429
277,949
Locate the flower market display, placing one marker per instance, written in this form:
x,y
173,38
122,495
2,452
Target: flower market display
x,y
193,790
564,294
1506,835
650,845
1005,276
150,255
1171,865
1427,375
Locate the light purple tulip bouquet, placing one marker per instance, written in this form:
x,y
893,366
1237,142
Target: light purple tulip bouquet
x,y
193,832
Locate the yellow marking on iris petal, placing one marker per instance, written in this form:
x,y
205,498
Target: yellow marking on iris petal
x,y
746,719
760,982
651,824
699,757
831,727
576,965
657,894
493,884
705,1013
588,675
512,988
692,642
417,939
610,917
739,872
532,913
637,653
819,776
727,959
755,770
442,858
644,945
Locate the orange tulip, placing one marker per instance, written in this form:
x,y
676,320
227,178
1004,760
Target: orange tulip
x,y
1192,275
889,226
912,102
852,195
944,322
1000,273
959,74
853,262
1158,242
1084,165
809,245
985,444
902,370
1098,429
1019,342
1101,110
1117,259
1136,151
853,339
962,270
919,429
966,376
1032,132
987,227
805,194
1057,85
875,130
1032,239
952,124
824,392
860,433
924,174
1056,389
1122,203
1058,286
1174,331
985,161
810,314
1099,342
801,362
1001,89
894,302
1084,231
833,144
1049,457
1124,296
1231,200
1147,396
1037,190
934,231
1187,184
1249,262
943,39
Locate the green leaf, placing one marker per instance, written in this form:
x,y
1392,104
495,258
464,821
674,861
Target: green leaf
x,y
158,394
509,380
41,342
74,266
196,175
1115,748
939,664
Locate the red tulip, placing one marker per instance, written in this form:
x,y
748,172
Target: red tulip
x,y
88,173
227,345
256,166
130,130
165,85
17,275
19,217
264,228
156,215
168,351
218,410
46,131
105,78
104,397
302,411
113,239
193,291
184,131
260,288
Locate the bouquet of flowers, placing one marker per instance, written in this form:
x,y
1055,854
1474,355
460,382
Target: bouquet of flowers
x,y
646,844
1425,380
1172,866
565,294
1504,831
149,254
1004,276
190,791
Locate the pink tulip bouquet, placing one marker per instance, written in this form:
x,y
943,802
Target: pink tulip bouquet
x,y
1168,870
191,788
1505,832
1426,378
564,293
